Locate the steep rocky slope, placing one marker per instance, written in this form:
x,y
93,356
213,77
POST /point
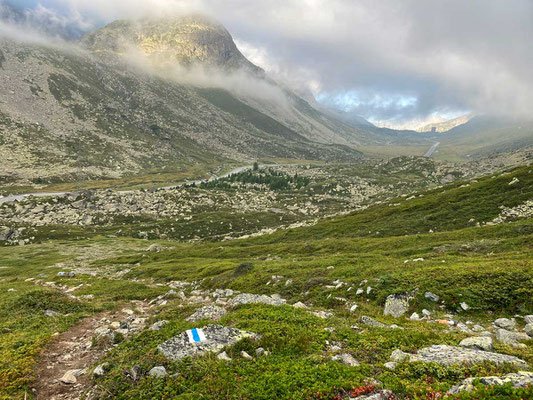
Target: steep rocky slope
x,y
66,114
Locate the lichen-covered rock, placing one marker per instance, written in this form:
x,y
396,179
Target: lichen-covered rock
x,y
397,304
520,379
380,395
528,319
505,323
399,356
210,338
158,372
159,325
431,296
211,312
529,330
511,338
347,359
478,342
390,365
247,298
322,314
372,322
451,355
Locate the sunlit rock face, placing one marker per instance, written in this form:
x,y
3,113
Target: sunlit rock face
x,y
185,40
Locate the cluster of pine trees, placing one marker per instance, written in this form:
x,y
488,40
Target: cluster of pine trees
x,y
275,180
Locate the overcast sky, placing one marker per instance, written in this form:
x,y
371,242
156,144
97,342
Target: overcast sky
x,y
386,60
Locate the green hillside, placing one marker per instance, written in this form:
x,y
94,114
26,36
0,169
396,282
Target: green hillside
x,y
387,248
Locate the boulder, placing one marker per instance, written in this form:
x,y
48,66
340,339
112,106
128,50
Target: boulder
x,y
397,304
452,355
398,356
322,314
66,274
478,343
528,319
390,365
210,312
431,296
210,338
159,325
529,330
380,395
100,369
246,356
247,298
70,377
154,247
299,305
51,313
372,322
158,372
223,356
347,359
505,323
414,317
520,379
511,338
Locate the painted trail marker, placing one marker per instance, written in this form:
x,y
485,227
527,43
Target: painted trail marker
x,y
196,335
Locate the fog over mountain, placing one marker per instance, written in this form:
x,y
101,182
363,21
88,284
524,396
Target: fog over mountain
x,y
386,61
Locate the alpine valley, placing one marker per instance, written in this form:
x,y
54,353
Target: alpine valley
x,y
175,223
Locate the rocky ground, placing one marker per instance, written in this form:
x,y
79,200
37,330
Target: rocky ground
x,y
238,209
73,357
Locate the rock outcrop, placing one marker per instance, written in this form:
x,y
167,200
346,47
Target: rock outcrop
x,y
210,338
451,355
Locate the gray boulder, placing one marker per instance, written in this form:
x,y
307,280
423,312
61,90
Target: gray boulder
x,y
159,325
478,343
380,395
247,298
6,234
431,296
398,356
505,323
223,356
100,369
66,274
210,338
322,314
528,319
520,379
347,359
390,365
397,304
529,330
452,355
158,372
511,338
210,312
372,322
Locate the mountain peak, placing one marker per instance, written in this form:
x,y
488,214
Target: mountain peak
x,y
184,39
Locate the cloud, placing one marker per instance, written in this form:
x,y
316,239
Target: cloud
x,y
442,56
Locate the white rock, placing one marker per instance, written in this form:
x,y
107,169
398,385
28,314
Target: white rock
x,y
158,372
390,365
414,317
223,356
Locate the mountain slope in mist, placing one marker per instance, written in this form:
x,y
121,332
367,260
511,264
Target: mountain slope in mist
x,y
66,114
487,135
